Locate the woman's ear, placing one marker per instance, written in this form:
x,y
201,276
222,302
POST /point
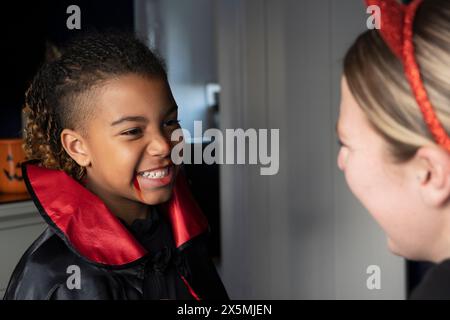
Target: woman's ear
x,y
76,147
433,175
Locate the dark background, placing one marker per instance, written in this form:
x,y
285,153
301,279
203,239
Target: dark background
x,y
27,27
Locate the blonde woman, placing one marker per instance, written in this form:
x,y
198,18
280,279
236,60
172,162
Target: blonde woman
x,y
394,128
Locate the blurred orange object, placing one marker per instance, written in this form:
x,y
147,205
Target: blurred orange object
x,y
11,157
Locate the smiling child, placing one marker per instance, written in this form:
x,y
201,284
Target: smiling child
x,y
121,221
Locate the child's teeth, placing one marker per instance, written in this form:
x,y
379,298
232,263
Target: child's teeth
x,y
156,174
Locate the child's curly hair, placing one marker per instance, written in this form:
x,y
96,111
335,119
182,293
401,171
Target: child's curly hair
x,y
58,96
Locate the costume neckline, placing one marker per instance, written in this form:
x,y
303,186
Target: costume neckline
x,y
89,228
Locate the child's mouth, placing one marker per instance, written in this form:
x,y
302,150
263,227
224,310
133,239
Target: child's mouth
x,y
154,178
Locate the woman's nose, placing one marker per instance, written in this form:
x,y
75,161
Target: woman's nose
x,y
341,160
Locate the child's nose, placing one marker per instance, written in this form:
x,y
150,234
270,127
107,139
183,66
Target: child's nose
x,y
159,146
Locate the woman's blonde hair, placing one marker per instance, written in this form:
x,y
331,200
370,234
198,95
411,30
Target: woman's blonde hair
x,y
376,79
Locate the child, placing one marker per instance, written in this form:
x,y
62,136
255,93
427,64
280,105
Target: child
x,y
122,224
394,123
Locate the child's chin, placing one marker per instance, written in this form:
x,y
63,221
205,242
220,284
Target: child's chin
x,y
157,196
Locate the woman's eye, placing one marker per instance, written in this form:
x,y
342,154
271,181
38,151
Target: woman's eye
x,y
172,122
132,132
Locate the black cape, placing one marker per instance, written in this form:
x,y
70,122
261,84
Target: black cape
x,y
88,253
435,285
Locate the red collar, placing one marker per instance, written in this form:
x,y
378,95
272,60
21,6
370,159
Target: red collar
x,y
86,224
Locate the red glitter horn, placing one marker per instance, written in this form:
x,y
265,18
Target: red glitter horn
x,y
397,31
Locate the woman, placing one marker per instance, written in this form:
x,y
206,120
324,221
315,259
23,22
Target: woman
x,y
393,127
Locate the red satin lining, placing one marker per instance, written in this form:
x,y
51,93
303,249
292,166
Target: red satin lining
x,y
89,226
186,216
83,218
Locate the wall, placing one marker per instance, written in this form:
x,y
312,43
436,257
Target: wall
x,y
20,225
299,234
184,34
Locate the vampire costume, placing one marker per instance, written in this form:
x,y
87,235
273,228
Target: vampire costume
x,y
88,253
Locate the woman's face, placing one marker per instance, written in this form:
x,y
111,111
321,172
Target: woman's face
x,y
129,141
389,191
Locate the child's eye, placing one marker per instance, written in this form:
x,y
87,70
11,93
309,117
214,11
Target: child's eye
x,y
132,132
172,123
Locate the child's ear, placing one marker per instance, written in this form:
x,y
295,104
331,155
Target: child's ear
x,y
433,175
75,146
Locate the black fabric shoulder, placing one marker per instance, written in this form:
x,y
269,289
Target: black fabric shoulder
x,y
44,273
435,285
201,271
44,269
33,277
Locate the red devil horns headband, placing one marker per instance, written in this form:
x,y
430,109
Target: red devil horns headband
x,y
397,31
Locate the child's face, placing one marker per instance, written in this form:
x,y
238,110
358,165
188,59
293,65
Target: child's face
x,y
119,148
389,191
